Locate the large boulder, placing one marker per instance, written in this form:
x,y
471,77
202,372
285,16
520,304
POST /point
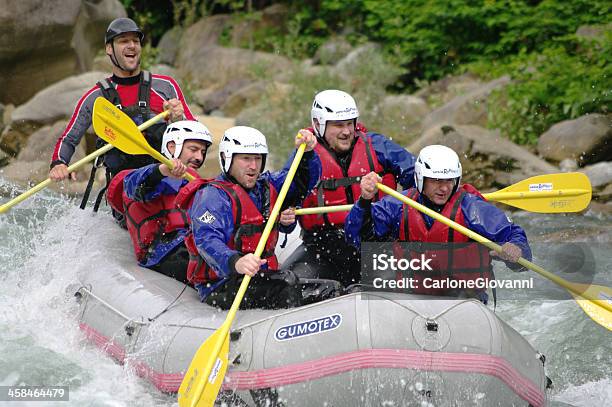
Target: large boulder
x,y
587,139
470,108
600,175
168,46
213,98
487,158
215,65
271,20
217,126
46,107
55,102
42,41
32,163
444,90
404,112
332,51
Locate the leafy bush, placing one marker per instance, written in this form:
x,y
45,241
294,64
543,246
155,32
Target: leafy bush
x,y
559,83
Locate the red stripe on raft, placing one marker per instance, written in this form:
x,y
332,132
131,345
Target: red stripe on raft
x,y
345,362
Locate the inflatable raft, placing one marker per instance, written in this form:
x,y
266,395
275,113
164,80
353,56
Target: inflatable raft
x,y
361,349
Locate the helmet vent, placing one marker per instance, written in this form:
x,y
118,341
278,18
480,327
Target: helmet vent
x,y
237,142
328,109
427,166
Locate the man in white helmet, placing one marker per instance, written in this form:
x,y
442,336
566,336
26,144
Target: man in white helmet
x,y
438,187
146,196
228,216
347,153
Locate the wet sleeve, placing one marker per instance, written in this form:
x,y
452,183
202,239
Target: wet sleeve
x,y
373,221
79,122
212,224
492,223
395,159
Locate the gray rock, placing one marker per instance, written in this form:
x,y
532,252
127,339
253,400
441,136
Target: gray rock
x,y
352,60
55,102
599,174
89,29
102,63
214,97
5,159
568,165
41,142
470,108
271,19
332,51
168,46
409,111
595,32
218,66
487,158
444,90
587,139
163,69
42,42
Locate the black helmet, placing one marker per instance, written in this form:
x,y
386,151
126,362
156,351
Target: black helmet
x,y
121,26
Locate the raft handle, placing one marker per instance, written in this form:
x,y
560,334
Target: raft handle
x,y
431,325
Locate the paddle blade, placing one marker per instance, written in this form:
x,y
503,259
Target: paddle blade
x,y
116,128
596,309
549,193
212,356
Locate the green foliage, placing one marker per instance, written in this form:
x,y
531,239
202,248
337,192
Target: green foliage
x,y
560,83
148,56
555,76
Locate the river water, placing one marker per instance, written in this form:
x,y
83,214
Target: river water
x,y
42,245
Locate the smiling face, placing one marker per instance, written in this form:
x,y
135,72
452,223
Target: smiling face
x,y
340,134
438,190
245,169
125,51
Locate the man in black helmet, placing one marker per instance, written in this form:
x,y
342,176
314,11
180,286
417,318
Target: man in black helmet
x,y
140,94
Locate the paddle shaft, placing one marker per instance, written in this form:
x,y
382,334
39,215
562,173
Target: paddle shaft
x,y
491,245
492,196
225,328
90,157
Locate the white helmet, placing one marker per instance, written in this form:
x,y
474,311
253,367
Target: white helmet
x,y
332,104
181,131
241,140
438,162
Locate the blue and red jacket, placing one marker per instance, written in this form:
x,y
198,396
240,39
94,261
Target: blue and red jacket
x,y
387,221
147,199
339,186
213,219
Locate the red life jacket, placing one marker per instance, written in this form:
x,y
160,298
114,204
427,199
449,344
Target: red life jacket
x,y
465,260
332,188
249,224
147,222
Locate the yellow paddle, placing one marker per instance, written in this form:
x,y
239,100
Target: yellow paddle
x,y
117,129
549,193
6,206
205,375
595,300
